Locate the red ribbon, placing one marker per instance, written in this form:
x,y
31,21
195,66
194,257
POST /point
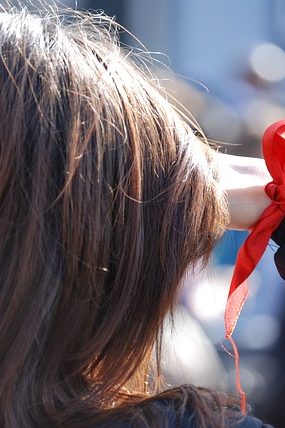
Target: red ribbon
x,y
253,248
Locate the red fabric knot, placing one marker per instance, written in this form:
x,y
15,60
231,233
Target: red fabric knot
x,y
277,194
273,145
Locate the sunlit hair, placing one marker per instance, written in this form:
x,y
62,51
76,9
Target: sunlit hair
x,y
106,198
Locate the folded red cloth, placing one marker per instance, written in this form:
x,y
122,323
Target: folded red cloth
x,y
268,225
253,248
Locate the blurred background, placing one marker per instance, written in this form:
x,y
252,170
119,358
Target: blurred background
x,y
228,64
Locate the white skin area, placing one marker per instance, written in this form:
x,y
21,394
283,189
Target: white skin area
x,y
243,180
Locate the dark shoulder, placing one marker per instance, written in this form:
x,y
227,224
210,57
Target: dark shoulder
x,y
166,415
189,421
251,422
173,413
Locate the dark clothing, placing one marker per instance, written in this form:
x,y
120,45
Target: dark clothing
x,y
278,237
248,422
170,419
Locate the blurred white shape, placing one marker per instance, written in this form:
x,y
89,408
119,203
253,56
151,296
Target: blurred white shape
x,y
209,302
209,296
267,60
188,354
262,331
259,113
206,294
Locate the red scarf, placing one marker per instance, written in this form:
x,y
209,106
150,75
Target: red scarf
x,y
251,251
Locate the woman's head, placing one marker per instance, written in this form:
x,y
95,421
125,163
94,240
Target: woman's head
x,y
106,198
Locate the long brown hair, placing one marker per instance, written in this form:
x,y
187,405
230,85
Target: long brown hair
x,y
107,197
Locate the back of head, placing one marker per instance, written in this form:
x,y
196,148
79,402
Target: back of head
x,y
106,198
